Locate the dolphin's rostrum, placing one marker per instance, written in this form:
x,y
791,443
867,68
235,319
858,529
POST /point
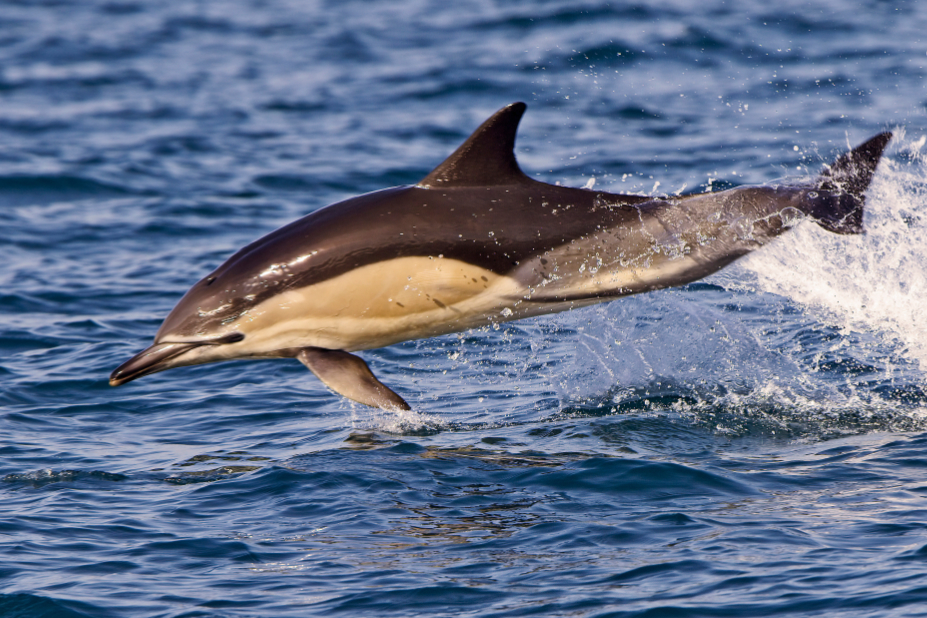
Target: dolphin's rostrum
x,y
475,242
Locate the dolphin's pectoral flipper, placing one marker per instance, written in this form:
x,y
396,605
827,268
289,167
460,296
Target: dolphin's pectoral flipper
x,y
349,376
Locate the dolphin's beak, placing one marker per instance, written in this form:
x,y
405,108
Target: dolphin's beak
x,y
151,360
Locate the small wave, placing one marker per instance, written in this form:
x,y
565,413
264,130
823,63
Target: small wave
x,y
565,17
238,462
40,478
775,409
295,105
282,182
207,476
24,605
647,480
28,190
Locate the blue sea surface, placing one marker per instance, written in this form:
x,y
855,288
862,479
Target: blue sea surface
x,y
754,444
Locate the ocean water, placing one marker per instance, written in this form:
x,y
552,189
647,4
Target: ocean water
x,y
754,444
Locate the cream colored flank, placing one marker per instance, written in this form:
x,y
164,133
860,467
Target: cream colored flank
x,y
416,297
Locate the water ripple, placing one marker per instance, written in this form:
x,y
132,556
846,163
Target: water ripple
x,y
750,445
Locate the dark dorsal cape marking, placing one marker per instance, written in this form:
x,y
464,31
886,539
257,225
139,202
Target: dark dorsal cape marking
x,y
477,206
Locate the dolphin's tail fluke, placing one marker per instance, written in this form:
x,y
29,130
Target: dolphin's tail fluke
x,y
841,189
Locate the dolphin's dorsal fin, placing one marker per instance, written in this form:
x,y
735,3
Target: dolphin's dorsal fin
x,y
487,158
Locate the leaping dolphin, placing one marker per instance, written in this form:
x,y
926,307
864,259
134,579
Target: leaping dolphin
x,y
475,242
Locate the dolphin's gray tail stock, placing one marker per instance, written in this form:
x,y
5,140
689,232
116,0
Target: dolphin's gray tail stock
x,y
838,207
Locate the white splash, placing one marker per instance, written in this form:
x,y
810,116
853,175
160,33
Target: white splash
x,y
843,349
873,283
400,422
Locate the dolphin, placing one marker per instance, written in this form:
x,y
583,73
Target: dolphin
x,y
474,242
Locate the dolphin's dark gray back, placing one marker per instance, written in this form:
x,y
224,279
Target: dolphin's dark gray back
x,y
477,207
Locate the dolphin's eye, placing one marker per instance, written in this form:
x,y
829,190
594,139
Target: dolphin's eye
x,y
230,338
210,279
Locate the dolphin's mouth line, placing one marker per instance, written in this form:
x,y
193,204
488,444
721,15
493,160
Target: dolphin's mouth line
x,y
149,360
155,358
